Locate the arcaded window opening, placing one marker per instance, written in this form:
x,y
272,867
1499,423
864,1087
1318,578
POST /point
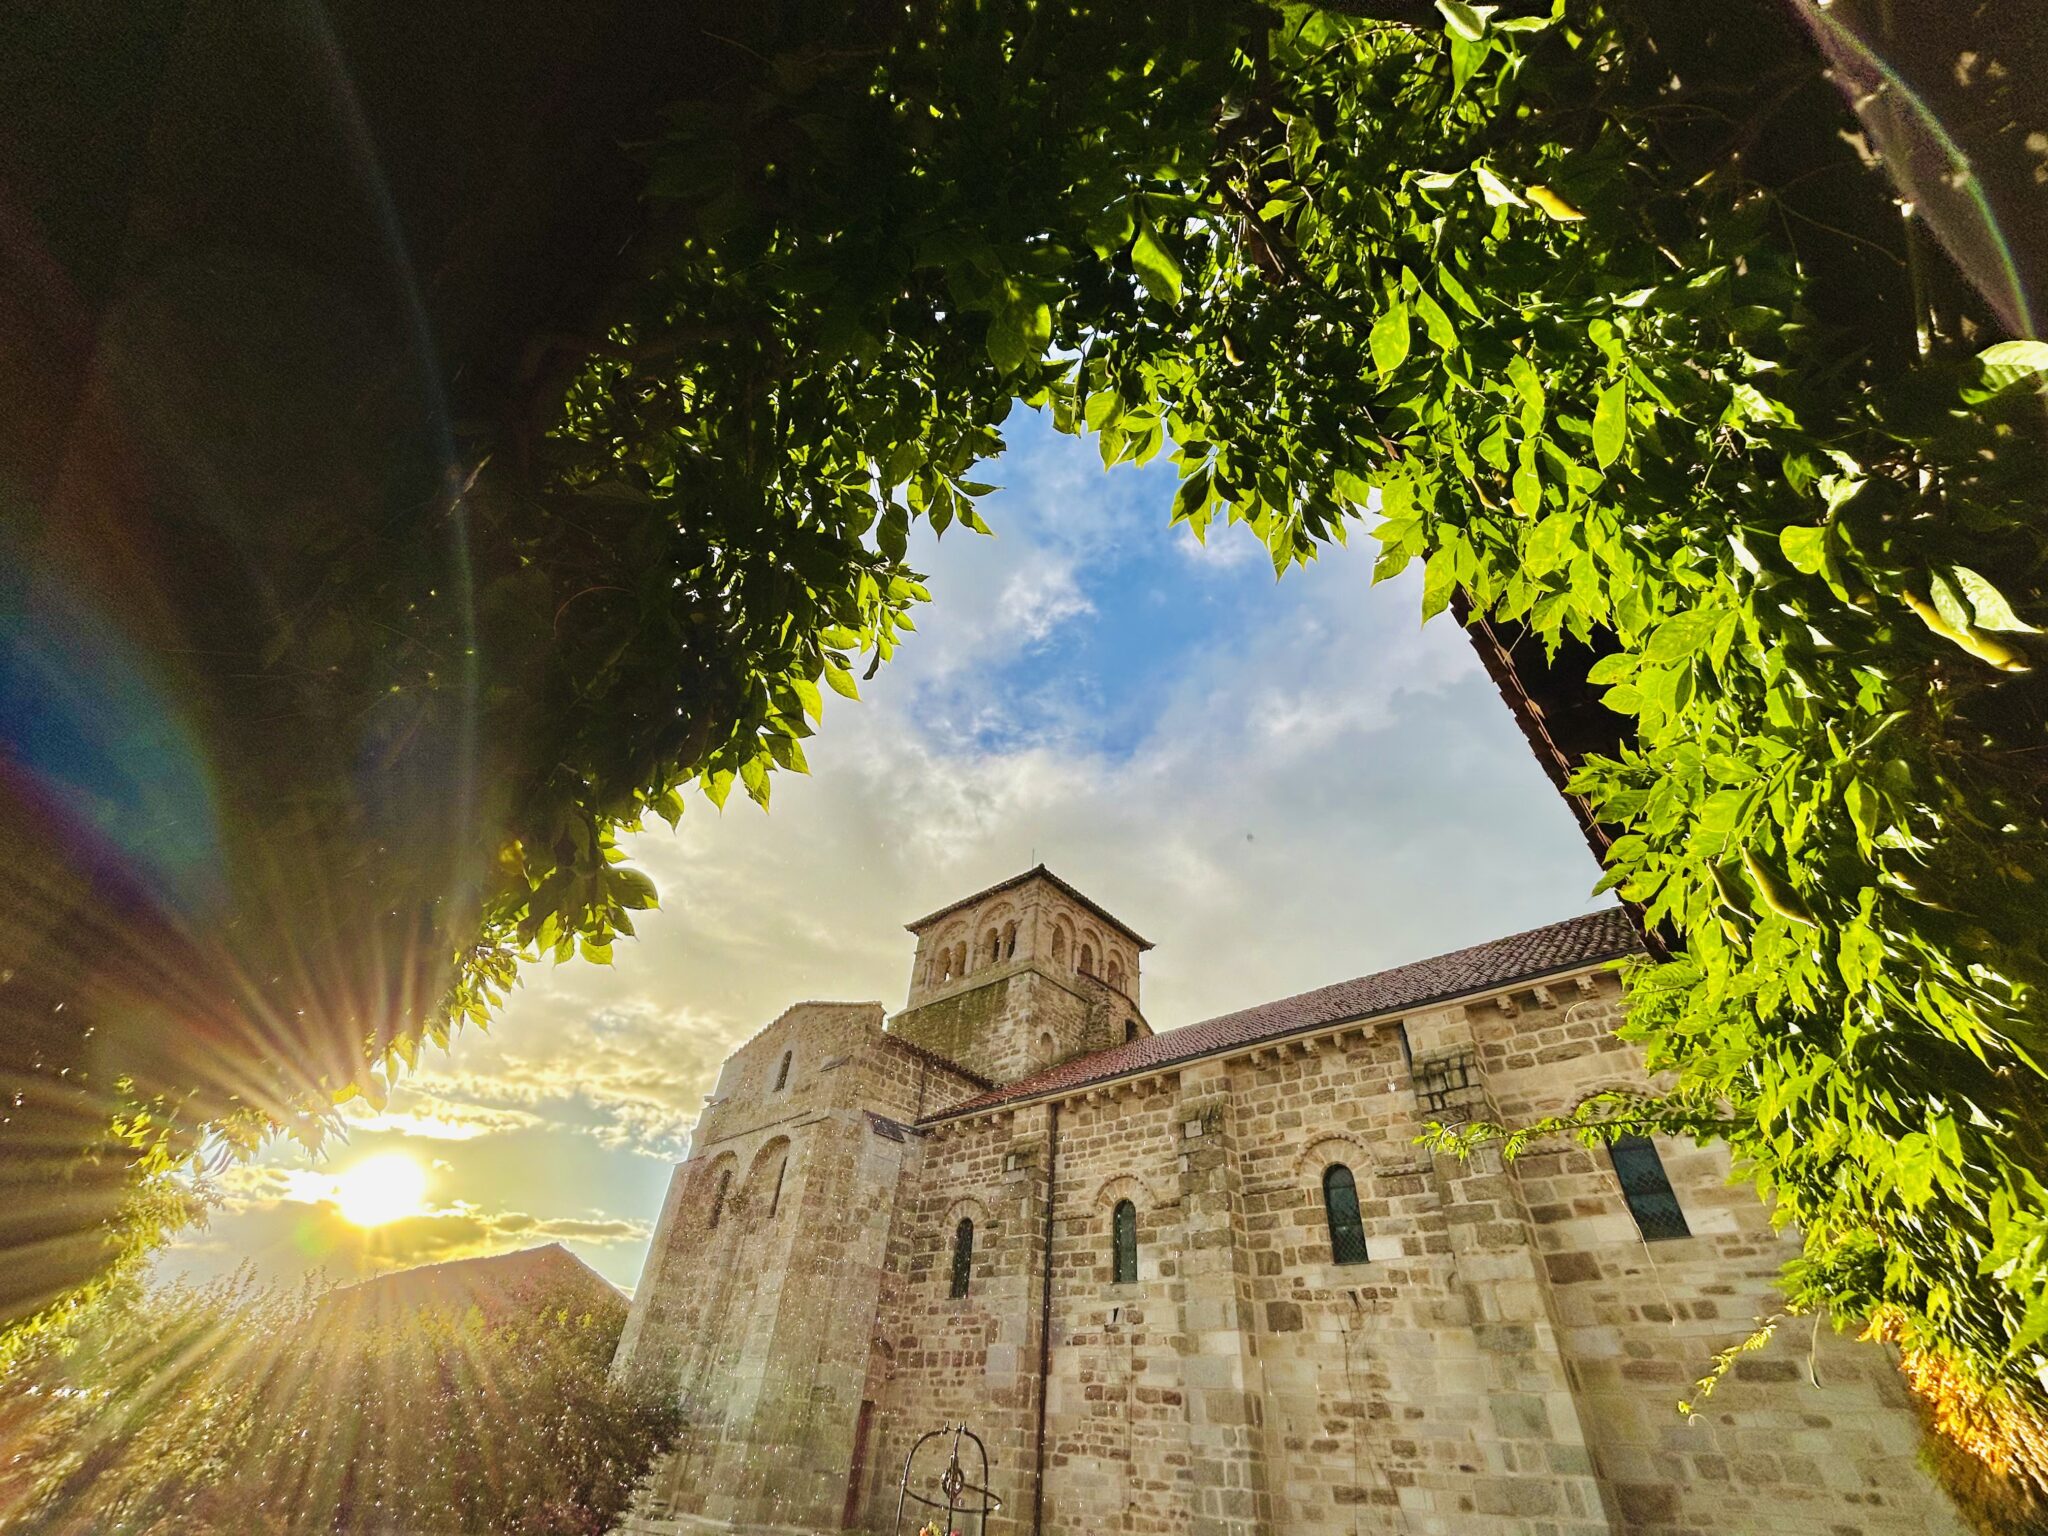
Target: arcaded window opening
x,y
963,1256
1340,1207
1648,1191
1124,1243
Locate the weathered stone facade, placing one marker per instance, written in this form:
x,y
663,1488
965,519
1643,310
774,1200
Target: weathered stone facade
x,y
1506,1359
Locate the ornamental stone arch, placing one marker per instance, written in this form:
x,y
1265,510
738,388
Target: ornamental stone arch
x,y
1332,1147
1127,1186
973,1210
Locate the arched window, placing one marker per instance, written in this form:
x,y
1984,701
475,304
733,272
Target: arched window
x,y
782,1072
1340,1205
1116,975
1059,947
1087,959
1123,1226
993,941
718,1197
1130,1030
963,1256
1647,1189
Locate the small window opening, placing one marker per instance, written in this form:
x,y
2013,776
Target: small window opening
x,y
782,1072
775,1200
718,1197
1087,959
963,1256
1340,1207
1116,975
1647,1189
994,940
1130,1030
1124,1235
1059,948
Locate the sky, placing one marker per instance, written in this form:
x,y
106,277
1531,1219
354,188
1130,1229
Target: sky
x,y
1280,783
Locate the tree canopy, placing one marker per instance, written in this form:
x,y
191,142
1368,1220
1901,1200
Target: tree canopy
x,y
1596,312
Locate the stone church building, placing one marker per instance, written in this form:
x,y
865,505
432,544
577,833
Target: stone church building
x,y
1203,1282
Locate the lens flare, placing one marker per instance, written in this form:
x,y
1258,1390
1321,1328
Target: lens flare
x,y
381,1189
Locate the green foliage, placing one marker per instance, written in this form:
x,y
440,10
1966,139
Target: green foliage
x,y
1594,309
232,1410
1517,290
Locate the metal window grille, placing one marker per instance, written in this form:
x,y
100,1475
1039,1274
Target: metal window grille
x,y
963,1256
1124,1231
1647,1190
1347,1226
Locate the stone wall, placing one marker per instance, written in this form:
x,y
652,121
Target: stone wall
x,y
1506,1361
1016,1020
757,1309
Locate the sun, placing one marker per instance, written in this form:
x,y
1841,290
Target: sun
x,y
381,1189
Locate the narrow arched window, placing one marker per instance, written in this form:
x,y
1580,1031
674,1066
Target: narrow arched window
x,y
1130,1030
782,1072
718,1197
994,942
1647,1189
1059,948
1340,1205
1087,959
963,1256
1116,975
1123,1227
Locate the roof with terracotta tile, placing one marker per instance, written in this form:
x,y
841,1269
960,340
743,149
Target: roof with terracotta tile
x,y
1579,941
1036,872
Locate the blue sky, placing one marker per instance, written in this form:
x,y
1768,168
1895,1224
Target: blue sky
x,y
1282,784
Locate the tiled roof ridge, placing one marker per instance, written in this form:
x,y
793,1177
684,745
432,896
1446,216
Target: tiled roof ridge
x,y
1589,939
1014,881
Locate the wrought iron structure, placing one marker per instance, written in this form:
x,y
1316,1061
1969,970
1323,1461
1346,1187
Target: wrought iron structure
x,y
952,1483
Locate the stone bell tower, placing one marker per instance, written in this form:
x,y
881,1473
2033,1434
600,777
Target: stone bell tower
x,y
1021,977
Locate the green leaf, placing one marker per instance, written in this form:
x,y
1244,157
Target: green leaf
x,y
1435,322
1497,192
840,681
1390,337
1465,21
2013,362
1157,267
1805,547
1949,603
1610,423
1989,604
1528,491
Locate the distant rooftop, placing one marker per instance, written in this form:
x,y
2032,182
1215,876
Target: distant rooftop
x,y
1522,957
1036,872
